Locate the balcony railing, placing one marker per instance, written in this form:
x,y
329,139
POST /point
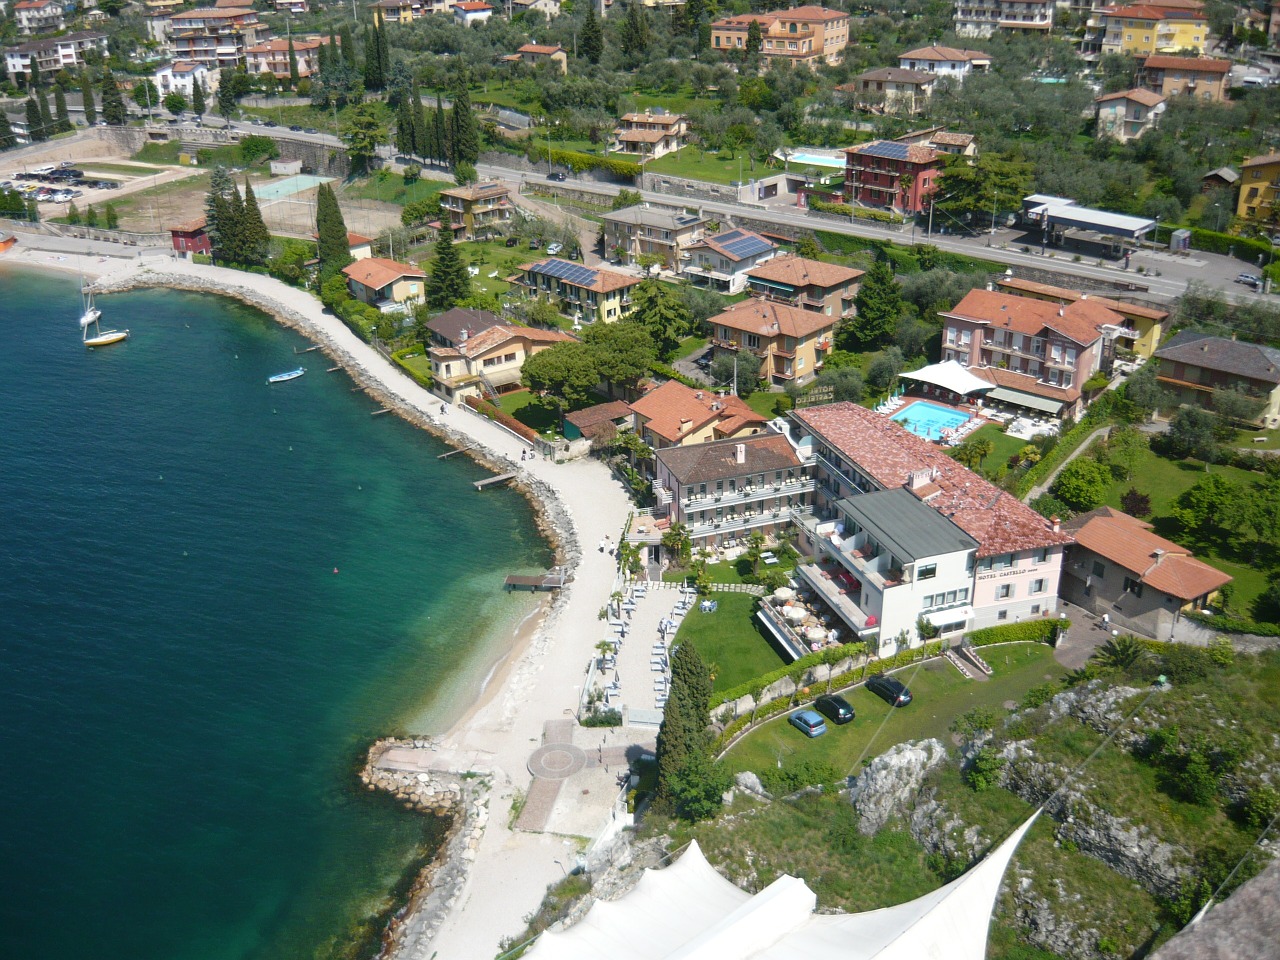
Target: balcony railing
x,y
737,522
859,620
712,499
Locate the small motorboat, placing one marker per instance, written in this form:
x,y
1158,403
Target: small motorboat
x,y
288,375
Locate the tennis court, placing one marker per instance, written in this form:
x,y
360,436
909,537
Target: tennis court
x,y
289,186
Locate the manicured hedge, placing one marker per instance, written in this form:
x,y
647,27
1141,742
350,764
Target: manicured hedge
x,y
859,213
1025,631
671,373
1066,444
1242,248
1234,624
577,162
487,409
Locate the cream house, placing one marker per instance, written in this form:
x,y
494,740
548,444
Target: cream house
x,y
473,353
385,284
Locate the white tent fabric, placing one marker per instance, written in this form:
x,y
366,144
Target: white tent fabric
x,y
949,375
690,912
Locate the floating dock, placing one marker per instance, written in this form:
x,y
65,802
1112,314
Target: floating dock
x,y
308,350
545,581
453,453
489,482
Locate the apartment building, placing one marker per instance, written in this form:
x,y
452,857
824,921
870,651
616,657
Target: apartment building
x,y
673,415
273,57
218,37
585,294
982,18
811,35
1144,325
40,16
1142,30
891,89
53,54
649,135
634,232
1037,353
979,557
1127,115
183,77
473,353
790,341
1259,198
721,261
1200,77
952,62
889,175
825,288
476,210
727,489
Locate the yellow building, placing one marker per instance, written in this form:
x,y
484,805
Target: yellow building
x,y
1260,189
385,283
1145,29
790,341
586,294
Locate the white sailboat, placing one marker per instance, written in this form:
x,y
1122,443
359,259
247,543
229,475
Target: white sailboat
x,y
89,319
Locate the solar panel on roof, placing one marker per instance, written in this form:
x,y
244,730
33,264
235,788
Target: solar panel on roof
x,y
748,246
568,272
723,238
888,149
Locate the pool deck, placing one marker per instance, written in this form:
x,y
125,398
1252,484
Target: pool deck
x,y
946,435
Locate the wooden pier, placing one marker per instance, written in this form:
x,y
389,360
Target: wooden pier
x,y
378,413
333,369
489,482
546,581
308,350
453,453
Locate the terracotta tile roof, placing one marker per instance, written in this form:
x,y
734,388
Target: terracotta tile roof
x,y
952,139
376,272
708,462
281,45
1026,383
1070,296
893,150
891,456
801,272
206,13
189,226
673,411
1267,160
666,119
943,53
1250,360
479,191
1159,563
356,240
891,75
188,66
766,20
769,319
540,49
471,6
1190,64
1142,11
504,333
643,136
810,12
592,419
1140,95
1080,320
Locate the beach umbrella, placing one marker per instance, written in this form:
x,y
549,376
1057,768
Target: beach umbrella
x,y
616,678
784,593
795,613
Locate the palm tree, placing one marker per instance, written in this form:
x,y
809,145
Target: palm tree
x,y
755,547
983,448
604,648
1120,653
677,542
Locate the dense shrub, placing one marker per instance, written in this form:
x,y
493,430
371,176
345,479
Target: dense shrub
x,y
1044,630
484,408
798,775
983,771
1234,624
1242,248
601,718
671,373
578,162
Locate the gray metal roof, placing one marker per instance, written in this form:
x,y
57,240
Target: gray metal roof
x,y
1251,360
640,215
906,526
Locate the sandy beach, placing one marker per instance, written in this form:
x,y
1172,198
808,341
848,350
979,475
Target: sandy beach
x,y
538,682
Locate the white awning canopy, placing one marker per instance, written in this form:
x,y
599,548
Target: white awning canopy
x,y
949,375
940,618
689,912
1028,400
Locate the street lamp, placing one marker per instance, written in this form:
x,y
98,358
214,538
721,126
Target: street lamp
x,y
562,868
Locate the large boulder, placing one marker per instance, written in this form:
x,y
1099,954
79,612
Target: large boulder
x,y
889,786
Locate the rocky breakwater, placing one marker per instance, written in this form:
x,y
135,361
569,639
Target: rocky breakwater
x,y
403,768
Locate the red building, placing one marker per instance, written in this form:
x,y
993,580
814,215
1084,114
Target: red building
x,y
190,238
874,175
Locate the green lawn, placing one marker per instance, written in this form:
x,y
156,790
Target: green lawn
x,y
127,169
689,346
730,572
520,405
390,188
418,365
764,402
1245,439
713,167
1005,445
487,256
730,640
940,695
675,102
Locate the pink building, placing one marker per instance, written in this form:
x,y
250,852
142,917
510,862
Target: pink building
x,y
891,175
1037,353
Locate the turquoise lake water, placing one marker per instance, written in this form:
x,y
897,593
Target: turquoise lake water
x,y
186,684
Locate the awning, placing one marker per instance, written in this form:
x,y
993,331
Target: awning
x,y
949,375
756,281
1029,400
940,618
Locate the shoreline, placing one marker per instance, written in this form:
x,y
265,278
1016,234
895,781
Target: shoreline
x,y
534,680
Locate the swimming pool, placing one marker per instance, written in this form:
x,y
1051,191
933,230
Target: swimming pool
x,y
289,186
817,160
928,420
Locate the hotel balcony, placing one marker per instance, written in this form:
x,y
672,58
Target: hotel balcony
x,y
737,523
837,596
782,631
787,488
760,352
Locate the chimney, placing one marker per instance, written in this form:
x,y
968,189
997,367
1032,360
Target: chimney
x,y
462,335
1057,524
698,395
740,452
685,424
990,286
1084,296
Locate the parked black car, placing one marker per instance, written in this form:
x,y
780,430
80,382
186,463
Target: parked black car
x,y
834,708
513,241
891,691
557,177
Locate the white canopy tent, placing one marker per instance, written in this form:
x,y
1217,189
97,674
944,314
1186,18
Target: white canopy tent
x,y
949,375
690,912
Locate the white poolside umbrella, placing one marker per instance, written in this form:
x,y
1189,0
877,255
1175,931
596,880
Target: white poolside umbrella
x,y
784,593
795,613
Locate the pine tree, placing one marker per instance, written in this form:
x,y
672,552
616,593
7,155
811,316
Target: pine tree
x,y
47,127
198,105
634,37
112,218
449,281
113,109
220,184
63,122
35,128
86,94
293,66
439,134
591,39
465,139
879,304
255,240
332,246
7,137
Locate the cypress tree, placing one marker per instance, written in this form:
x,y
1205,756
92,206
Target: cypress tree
x,y
7,137
384,51
33,211
439,134
465,140
86,94
348,46
406,136
227,93
331,231
35,128
449,281
63,124
113,109
47,128
198,105
220,185
255,238
591,40
293,66
421,131
683,733
374,76
91,218
112,218
33,77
